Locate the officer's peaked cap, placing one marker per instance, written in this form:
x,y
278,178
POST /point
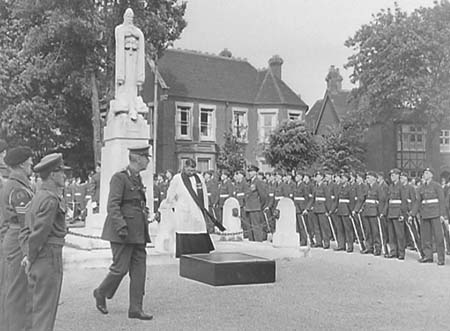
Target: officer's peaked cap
x,y
51,162
395,171
140,150
17,155
429,169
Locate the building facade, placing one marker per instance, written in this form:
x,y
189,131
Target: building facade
x,y
201,97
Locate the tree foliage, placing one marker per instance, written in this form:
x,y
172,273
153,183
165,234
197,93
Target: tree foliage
x,y
402,62
55,53
291,146
231,154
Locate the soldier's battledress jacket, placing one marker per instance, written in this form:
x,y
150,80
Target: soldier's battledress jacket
x,y
239,191
372,197
301,196
320,194
126,209
360,194
430,201
44,221
225,191
409,192
344,196
16,198
213,192
256,197
396,200
332,202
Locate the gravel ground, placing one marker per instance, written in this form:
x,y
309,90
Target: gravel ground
x,y
326,291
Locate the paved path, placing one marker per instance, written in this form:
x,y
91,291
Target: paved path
x,y
325,291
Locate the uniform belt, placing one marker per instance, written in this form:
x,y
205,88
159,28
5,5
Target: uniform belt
x,y
138,203
155,199
278,197
224,195
240,194
344,201
270,194
332,197
299,198
320,198
395,202
372,201
209,194
430,201
79,194
409,200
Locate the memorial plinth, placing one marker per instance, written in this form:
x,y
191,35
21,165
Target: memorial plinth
x,y
226,268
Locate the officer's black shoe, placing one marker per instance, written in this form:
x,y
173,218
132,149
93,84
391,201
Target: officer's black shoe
x,y
140,315
339,249
401,257
390,256
441,263
100,302
377,253
316,245
349,250
367,251
425,260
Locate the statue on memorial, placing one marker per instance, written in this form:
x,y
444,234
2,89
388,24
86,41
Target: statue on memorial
x,y
130,68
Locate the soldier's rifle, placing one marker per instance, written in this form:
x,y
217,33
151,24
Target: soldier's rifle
x,y
409,226
362,226
331,226
383,247
270,233
356,232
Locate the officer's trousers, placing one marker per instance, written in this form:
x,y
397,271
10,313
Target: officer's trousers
x,y
372,233
322,230
131,259
344,232
428,227
397,238
45,278
256,222
17,295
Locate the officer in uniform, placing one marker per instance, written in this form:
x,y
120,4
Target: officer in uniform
x,y
359,189
127,229
344,227
430,205
43,240
15,200
255,203
300,197
394,211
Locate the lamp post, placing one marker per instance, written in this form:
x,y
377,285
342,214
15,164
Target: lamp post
x,y
155,111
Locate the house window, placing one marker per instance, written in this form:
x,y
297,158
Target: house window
x,y
203,164
184,121
295,115
207,123
240,124
444,140
411,148
267,122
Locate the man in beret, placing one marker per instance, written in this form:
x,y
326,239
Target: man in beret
x,y
430,205
256,200
43,237
15,201
127,229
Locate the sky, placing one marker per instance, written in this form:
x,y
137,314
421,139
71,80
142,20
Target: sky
x,y
309,35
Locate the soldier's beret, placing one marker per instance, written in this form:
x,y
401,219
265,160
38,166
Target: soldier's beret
x,y
429,170
51,162
17,155
3,145
394,171
372,174
140,150
252,168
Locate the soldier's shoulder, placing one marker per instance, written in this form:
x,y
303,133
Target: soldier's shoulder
x,y
20,196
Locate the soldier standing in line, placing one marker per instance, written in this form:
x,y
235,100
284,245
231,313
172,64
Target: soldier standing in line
x,y
300,206
4,173
344,224
126,228
384,187
357,201
332,184
15,200
395,215
43,241
212,189
255,203
226,190
240,187
430,205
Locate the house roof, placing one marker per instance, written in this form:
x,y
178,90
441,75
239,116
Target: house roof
x,y
206,76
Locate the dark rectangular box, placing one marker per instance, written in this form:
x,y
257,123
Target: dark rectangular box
x,y
227,268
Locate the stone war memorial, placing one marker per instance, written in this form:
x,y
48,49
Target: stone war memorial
x,y
126,127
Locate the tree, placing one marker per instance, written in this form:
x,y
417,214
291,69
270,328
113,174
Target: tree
x,y
402,64
58,67
231,154
291,146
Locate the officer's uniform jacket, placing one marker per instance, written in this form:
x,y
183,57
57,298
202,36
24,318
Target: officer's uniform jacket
x,y
301,196
239,191
430,201
225,191
320,194
213,192
395,202
16,198
344,195
126,209
256,197
44,221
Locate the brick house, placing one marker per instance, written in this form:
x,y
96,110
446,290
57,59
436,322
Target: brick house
x,y
399,141
203,96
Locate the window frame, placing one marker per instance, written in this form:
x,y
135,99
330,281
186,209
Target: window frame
x,y
212,109
444,147
261,113
178,106
298,112
233,126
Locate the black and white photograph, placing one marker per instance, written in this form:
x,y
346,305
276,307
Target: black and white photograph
x,y
224,165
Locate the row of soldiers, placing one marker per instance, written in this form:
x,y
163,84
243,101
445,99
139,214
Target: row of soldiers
x,y
348,207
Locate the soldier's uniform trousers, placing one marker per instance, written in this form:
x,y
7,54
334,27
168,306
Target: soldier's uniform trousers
x,y
397,238
256,226
344,231
359,223
322,230
127,258
301,229
16,304
45,279
372,233
428,228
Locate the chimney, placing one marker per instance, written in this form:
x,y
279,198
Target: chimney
x,y
334,80
225,53
275,64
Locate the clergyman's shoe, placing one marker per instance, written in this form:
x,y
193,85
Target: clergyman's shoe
x,y
140,315
425,260
100,302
